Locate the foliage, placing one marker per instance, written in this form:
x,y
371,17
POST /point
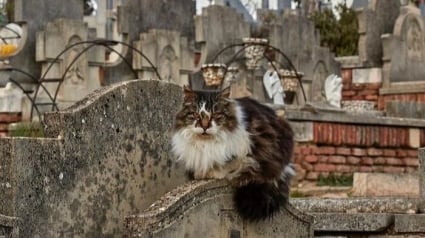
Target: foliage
x,y
26,129
339,34
334,180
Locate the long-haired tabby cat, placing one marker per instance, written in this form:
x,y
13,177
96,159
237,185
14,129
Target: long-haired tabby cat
x,y
240,140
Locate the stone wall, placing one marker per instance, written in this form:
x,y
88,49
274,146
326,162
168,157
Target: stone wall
x,y
203,209
343,147
105,158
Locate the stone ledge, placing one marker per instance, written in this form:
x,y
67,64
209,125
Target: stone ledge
x,y
195,207
294,115
343,222
175,202
385,184
409,223
403,88
356,205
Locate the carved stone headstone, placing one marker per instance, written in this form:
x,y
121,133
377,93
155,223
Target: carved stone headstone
x,y
37,13
205,209
377,19
102,159
74,67
298,39
404,51
168,51
217,27
140,16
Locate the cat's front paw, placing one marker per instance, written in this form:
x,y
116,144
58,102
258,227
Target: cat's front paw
x,y
200,176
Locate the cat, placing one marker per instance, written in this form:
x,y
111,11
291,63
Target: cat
x,y
240,140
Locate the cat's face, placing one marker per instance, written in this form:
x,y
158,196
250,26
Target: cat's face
x,y
205,113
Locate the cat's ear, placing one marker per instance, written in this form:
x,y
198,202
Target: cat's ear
x,y
188,93
225,93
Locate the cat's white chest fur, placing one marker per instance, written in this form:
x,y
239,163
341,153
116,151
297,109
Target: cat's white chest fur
x,y
201,155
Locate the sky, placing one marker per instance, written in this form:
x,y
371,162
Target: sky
x,y
273,3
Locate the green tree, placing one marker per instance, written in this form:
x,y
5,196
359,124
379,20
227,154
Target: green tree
x,y
340,34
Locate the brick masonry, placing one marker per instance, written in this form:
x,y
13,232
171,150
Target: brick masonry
x,y
370,92
358,91
343,149
6,119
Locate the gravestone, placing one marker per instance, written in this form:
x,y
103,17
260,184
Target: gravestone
x,y
169,52
76,72
212,36
140,16
104,158
404,52
37,13
205,209
377,19
298,39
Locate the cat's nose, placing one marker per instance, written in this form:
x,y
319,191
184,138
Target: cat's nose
x,y
205,123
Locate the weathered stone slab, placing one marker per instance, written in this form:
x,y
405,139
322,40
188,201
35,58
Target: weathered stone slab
x,y
344,222
363,119
355,205
367,75
410,223
385,184
405,109
205,209
108,157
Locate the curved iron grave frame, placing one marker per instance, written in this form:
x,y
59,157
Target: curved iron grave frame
x,y
91,43
268,47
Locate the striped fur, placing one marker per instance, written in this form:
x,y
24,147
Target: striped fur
x,y
240,140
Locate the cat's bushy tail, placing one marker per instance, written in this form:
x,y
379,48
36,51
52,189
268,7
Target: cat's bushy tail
x,y
260,201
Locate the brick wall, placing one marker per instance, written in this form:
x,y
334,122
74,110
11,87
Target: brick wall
x,y
358,91
6,119
370,92
343,149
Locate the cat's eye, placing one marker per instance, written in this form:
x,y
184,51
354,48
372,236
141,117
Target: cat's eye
x,y
192,115
218,115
